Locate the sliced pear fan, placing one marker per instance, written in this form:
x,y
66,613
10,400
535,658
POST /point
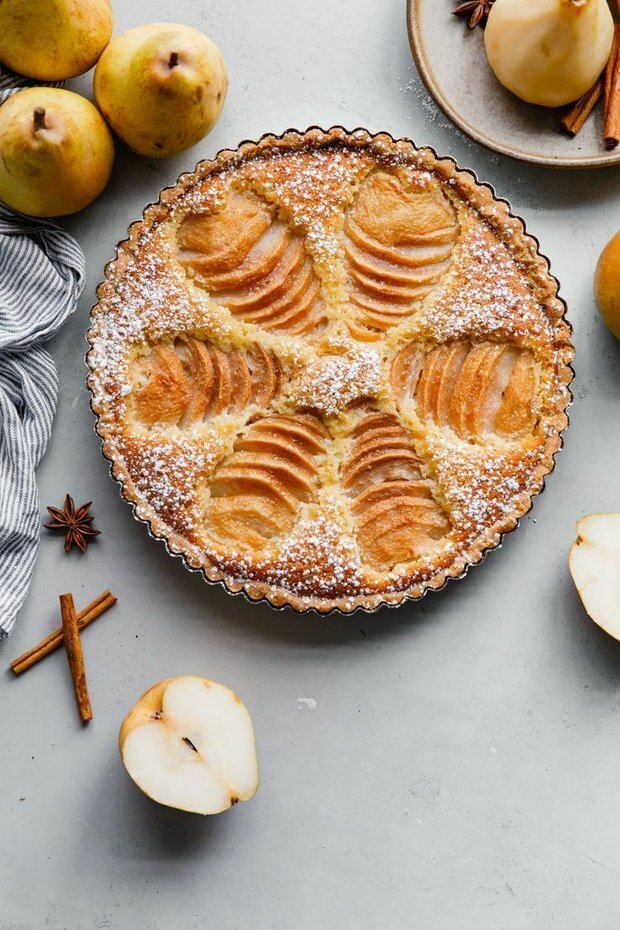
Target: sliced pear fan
x,y
188,381
475,389
396,515
595,566
254,264
256,491
398,245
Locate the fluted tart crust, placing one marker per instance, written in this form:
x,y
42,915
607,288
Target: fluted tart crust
x,y
330,369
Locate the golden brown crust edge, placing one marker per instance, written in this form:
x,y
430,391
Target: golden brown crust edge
x,y
497,213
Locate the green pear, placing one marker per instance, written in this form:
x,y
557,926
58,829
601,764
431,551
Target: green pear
x,y
52,40
161,87
56,152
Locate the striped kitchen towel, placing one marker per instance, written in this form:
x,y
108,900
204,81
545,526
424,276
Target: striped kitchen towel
x,y
41,279
10,82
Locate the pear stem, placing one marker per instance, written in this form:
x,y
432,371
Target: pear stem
x,y
39,118
173,60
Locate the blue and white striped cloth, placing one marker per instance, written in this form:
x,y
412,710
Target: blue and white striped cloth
x,y
41,279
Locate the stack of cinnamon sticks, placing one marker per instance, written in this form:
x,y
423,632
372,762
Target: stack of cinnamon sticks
x,y
69,636
608,88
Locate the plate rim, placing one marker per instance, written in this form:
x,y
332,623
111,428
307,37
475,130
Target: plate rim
x,y
416,42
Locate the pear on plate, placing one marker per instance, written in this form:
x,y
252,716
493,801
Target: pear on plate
x,y
548,52
595,566
56,152
189,744
52,40
161,87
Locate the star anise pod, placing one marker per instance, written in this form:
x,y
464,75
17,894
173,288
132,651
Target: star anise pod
x,y
477,10
74,522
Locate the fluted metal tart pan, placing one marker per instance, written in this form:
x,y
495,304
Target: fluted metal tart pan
x,y
259,591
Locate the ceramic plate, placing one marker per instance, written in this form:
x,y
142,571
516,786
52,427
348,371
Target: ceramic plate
x,y
451,60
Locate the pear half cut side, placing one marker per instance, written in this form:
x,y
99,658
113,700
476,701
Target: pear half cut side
x,y
189,744
594,563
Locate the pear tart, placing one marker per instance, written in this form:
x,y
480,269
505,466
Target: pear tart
x,y
330,369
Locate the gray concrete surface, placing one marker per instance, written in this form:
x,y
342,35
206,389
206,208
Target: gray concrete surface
x,y
461,767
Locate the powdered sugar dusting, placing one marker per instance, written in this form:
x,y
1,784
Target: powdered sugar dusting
x,y
481,485
331,384
312,188
317,558
166,469
491,296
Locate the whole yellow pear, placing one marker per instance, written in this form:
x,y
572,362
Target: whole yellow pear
x,y
607,285
52,40
56,152
161,87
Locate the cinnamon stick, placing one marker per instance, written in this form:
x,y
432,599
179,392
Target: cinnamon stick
x,y
575,117
609,70
75,656
54,640
611,116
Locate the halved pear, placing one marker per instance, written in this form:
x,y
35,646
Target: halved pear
x,y
189,744
594,562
